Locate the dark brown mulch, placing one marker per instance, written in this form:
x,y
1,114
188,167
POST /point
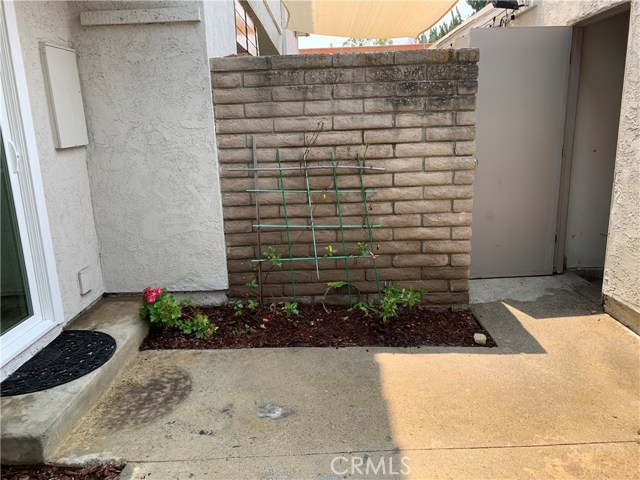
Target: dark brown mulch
x,y
320,327
46,472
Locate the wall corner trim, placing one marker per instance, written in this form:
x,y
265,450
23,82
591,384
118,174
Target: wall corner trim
x,y
189,13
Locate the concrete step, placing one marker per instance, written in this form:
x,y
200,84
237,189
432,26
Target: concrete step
x,y
34,425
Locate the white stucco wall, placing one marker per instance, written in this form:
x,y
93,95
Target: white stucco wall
x,y
152,156
622,263
220,27
64,172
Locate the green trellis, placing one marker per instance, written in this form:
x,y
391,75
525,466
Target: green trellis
x,y
312,226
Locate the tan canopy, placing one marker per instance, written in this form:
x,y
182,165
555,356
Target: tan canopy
x,y
366,18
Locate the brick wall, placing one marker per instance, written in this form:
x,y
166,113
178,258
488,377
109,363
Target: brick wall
x,y
411,112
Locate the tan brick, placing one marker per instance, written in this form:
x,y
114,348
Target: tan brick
x,y
446,219
448,103
448,191
335,75
336,138
274,109
349,122
239,63
467,87
459,285
460,260
420,233
461,233
302,124
332,107
447,299
447,246
397,164
431,286
393,104
364,90
396,73
231,141
375,208
241,239
395,274
450,133
399,220
445,273
229,111
357,60
437,87
397,194
280,140
239,253
226,80
465,148
396,248
238,226
349,152
420,260
236,155
322,60
466,118
468,55
238,212
301,92
422,178
424,149
449,163
422,206
393,135
273,78
244,125
409,57
379,234
243,184
235,199
464,177
242,95
424,119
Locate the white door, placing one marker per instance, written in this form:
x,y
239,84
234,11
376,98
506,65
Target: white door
x,y
521,105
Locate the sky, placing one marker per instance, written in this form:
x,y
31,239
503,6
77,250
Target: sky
x,y
319,41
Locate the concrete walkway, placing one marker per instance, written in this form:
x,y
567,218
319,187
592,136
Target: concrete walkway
x,y
559,398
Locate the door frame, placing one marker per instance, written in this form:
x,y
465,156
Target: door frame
x,y
24,340
570,125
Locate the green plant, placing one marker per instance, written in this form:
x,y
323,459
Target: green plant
x,y
367,308
394,297
362,248
330,251
245,330
273,256
252,304
161,308
290,309
237,306
253,285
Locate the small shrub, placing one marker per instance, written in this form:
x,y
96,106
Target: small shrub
x,y
161,308
290,309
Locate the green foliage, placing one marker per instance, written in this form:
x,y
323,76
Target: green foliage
x,y
161,308
363,249
478,5
330,251
253,285
245,330
336,285
290,309
237,306
252,304
368,308
436,33
273,256
395,297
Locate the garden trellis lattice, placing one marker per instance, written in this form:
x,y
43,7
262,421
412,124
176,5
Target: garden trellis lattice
x,y
312,224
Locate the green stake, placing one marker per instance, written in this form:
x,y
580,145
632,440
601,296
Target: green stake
x,y
286,222
366,216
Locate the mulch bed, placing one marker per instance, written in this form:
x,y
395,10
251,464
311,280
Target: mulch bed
x,y
319,326
46,472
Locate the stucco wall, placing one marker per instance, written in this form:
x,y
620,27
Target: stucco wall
x,y
622,263
220,27
64,172
152,157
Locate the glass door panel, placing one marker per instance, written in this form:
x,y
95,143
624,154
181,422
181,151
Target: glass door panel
x,y
15,301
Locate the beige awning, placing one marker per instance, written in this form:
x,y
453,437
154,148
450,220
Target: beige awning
x,y
366,18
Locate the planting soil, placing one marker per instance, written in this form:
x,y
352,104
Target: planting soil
x,y
317,326
46,472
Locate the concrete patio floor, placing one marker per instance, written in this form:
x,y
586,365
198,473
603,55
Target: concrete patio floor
x,y
559,398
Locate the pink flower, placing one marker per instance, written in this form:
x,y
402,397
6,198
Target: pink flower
x,y
372,255
150,294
